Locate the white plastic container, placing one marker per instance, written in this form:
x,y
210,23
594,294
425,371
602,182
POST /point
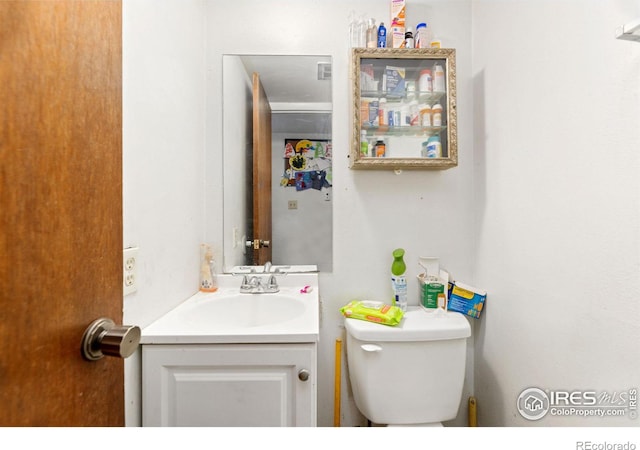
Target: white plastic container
x,y
425,115
436,115
382,112
422,38
434,147
438,78
372,34
405,115
424,82
414,111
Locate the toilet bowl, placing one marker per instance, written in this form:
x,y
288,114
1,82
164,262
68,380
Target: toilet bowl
x,y
409,374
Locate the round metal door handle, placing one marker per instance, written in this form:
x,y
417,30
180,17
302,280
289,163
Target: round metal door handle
x,y
304,375
104,338
257,244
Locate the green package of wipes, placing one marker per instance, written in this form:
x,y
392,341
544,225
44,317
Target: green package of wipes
x,y
372,311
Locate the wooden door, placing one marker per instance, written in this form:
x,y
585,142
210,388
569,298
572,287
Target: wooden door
x,y
261,171
60,209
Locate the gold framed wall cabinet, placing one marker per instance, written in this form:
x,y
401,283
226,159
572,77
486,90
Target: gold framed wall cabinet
x,y
404,109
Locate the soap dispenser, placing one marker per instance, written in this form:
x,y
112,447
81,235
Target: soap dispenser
x,y
208,281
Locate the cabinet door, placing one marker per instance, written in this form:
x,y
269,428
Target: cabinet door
x,y
404,109
247,385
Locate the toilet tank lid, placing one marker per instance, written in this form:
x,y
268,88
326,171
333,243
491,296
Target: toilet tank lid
x,y
417,324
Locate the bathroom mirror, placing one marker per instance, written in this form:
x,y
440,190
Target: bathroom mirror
x,y
277,207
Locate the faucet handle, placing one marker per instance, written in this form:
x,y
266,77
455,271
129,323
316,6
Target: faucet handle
x,y
245,286
272,282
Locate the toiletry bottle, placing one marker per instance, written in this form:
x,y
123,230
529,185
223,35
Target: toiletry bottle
x,y
425,85
362,32
408,38
421,37
434,147
353,30
436,115
425,115
414,111
438,78
372,33
382,112
382,36
380,149
208,281
399,280
364,143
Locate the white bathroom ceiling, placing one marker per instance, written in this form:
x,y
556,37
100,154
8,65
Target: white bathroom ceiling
x,y
298,99
290,78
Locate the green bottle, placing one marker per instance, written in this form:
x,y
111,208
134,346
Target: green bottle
x,y
399,280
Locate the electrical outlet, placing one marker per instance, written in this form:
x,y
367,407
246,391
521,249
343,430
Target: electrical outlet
x,y
293,204
130,270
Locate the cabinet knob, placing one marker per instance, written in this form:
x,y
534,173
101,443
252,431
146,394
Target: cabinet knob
x,y
303,375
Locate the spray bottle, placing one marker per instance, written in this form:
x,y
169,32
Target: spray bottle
x,y
399,280
208,281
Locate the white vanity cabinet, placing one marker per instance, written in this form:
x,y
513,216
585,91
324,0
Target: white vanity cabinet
x,y
225,385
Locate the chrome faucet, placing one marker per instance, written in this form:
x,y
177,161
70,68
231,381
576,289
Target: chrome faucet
x,y
256,284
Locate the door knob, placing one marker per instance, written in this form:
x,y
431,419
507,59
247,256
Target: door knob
x,y
256,244
303,375
103,337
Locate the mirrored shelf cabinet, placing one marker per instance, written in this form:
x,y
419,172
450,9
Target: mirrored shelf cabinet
x,y
404,109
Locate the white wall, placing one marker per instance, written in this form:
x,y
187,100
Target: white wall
x,y
163,159
426,212
556,185
237,98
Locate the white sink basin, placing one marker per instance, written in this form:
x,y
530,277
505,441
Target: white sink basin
x,y
227,316
231,310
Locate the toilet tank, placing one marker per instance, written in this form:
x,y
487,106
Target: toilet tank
x,y
412,373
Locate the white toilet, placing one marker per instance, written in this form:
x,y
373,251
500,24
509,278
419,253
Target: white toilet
x,y
412,373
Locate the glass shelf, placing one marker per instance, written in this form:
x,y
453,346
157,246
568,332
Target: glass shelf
x,y
415,131
422,97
